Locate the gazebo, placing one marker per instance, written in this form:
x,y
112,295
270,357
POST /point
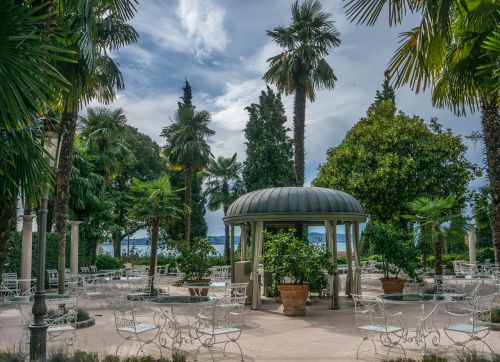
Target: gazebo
x,y
287,206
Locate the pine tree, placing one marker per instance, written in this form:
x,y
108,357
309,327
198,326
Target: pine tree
x,y
269,161
387,93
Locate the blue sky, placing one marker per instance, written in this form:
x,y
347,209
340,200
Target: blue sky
x,y
221,46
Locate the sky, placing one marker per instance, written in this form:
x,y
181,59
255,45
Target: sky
x,y
221,47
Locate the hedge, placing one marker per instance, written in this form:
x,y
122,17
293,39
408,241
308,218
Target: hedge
x,y
86,257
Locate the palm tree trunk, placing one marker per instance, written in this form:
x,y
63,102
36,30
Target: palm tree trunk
x,y
117,244
155,229
299,121
491,132
188,184
68,123
8,217
438,252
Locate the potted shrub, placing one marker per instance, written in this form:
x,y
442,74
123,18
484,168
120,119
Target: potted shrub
x,y
295,265
193,260
397,254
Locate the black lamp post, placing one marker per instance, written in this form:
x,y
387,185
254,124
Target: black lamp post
x,y
38,329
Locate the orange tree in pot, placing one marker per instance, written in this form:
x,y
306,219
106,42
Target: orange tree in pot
x,y
296,266
398,253
193,260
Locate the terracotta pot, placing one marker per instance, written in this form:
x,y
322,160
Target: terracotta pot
x,y
194,291
294,297
393,285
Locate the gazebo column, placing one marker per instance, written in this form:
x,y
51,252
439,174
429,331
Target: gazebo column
x,y
243,242
331,237
357,261
348,280
257,249
232,253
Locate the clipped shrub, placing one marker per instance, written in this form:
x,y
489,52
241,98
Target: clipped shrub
x,y
447,261
14,251
107,262
485,253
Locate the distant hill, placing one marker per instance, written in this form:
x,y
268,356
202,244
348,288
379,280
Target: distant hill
x,y
220,239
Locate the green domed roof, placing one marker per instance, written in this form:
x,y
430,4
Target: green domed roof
x,y
309,204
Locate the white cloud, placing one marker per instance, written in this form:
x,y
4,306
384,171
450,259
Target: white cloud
x,y
139,55
196,26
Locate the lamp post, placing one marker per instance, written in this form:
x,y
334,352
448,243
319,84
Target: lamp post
x,y
38,328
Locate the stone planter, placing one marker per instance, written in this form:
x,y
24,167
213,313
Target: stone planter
x,y
84,324
294,297
393,285
193,291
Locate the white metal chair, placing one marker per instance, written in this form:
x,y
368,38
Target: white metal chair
x,y
9,285
84,269
93,269
214,326
62,326
234,301
53,278
133,327
473,324
444,287
375,324
220,272
61,318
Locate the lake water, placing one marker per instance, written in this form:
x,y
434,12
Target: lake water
x,y
144,250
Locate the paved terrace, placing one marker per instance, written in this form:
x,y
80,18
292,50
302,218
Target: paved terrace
x,y
321,335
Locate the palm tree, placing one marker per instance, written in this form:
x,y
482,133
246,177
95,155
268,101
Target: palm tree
x,y
224,185
188,149
302,68
431,214
454,50
95,27
104,129
29,82
153,202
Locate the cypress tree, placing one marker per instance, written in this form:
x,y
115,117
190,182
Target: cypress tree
x,y
269,161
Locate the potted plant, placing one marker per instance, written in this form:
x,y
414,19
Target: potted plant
x,y
295,265
192,259
397,254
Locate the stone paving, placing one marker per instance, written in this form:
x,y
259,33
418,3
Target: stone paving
x,y
321,335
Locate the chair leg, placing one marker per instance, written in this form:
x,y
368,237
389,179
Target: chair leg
x,y
236,343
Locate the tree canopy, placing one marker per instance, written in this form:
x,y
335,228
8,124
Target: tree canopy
x,y
389,158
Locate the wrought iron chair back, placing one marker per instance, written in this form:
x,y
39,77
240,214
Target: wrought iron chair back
x,y
215,326
220,272
444,287
143,329
473,322
53,277
9,284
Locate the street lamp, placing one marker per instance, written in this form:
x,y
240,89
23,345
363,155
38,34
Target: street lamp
x,y
38,329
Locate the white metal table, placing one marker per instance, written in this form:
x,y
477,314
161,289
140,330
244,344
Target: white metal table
x,y
179,314
425,325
